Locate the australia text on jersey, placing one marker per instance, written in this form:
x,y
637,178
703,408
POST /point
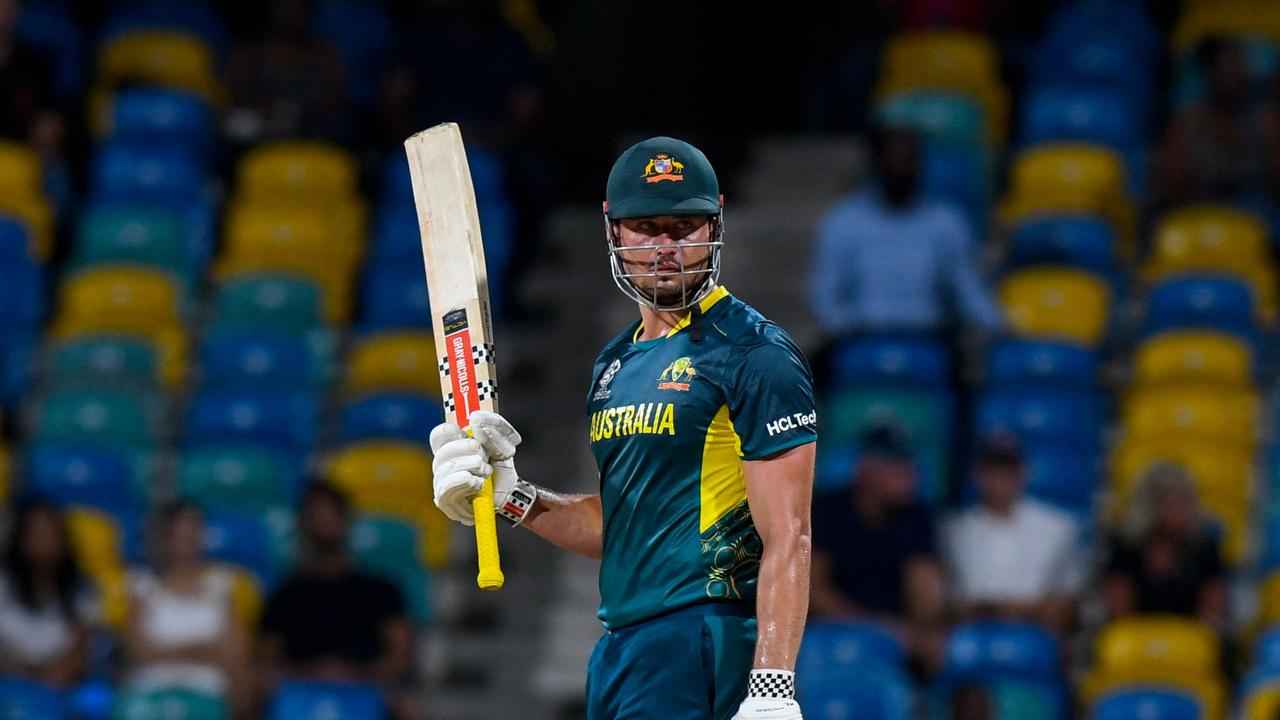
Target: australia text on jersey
x,y
642,419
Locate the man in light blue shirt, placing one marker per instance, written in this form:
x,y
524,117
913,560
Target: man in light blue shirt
x,y
888,261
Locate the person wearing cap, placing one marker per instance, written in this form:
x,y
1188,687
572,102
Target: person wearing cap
x,y
702,424
1010,556
875,552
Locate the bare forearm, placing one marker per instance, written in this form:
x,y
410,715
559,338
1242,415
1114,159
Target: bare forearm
x,y
782,602
570,522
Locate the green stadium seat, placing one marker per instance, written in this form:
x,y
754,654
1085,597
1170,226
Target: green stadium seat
x,y
232,476
104,359
383,542
269,302
108,417
151,236
169,704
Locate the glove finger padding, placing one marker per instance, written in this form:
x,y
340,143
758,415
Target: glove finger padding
x,y
459,469
444,433
453,496
497,435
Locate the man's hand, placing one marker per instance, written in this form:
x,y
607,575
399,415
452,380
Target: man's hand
x,y
462,463
768,709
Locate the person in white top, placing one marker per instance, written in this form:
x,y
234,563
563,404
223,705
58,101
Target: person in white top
x,y
183,631
45,608
1011,557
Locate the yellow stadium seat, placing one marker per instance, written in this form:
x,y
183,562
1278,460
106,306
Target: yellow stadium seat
x,y
1193,356
96,538
1261,702
1269,600
296,168
335,283
1164,643
1059,303
37,214
1240,18
1071,177
112,586
384,476
126,297
395,361
1199,234
1216,414
246,596
169,59
265,231
19,171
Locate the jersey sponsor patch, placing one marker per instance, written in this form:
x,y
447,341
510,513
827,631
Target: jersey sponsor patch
x,y
794,421
606,378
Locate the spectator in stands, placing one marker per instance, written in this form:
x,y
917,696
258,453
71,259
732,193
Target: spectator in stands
x,y
1166,558
874,551
45,608
1011,557
331,621
288,82
183,629
1225,146
29,108
888,260
971,702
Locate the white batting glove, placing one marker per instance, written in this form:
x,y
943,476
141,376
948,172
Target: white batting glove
x,y
462,463
770,696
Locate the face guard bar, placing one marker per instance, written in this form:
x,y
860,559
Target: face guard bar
x,y
696,282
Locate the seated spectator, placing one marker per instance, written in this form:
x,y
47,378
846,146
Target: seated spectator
x,y
183,630
1166,558
1011,557
874,552
45,608
888,260
287,82
329,620
1224,147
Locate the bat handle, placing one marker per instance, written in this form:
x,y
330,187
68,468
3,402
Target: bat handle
x,y
490,575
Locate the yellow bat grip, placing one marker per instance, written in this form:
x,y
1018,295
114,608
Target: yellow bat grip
x,y
490,575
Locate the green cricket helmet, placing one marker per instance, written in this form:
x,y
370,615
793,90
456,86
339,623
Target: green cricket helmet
x,y
664,176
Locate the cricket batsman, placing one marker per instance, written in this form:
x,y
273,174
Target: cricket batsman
x,y
702,424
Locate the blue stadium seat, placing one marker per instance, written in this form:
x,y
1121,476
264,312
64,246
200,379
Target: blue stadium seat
x,y
51,28
1048,415
26,700
22,294
1146,703
874,693
362,33
281,418
395,232
1082,242
134,171
1096,115
262,359
1063,476
149,113
983,651
394,295
832,649
322,701
1012,363
959,176
17,348
1271,542
907,360
1221,303
242,539
389,416
15,242
112,480
1266,650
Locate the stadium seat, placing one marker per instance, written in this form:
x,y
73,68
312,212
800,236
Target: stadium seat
x,y
27,700
377,473
242,539
98,540
1062,475
1260,701
334,282
1235,18
1159,644
961,177
1041,415
1094,115
1057,304
105,417
52,28
68,474
394,296
264,232
1200,357
1209,236
148,113
1071,178
165,59
312,170
987,650
135,171
1266,650
948,60
260,359
238,476
1224,415
1080,242
278,417
269,302
36,215
315,701
1224,304
362,34
911,361
22,295
169,704
200,19
1145,703
246,597
834,650
147,235
384,543
121,298
940,117
394,362
1013,363
20,173
872,694
389,416
15,242
395,234
104,360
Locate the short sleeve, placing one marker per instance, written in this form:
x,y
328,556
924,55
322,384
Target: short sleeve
x,y
771,400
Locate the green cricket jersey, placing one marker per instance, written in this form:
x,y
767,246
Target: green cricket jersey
x,y
672,421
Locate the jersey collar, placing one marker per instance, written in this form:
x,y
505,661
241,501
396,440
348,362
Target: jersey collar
x,y
705,304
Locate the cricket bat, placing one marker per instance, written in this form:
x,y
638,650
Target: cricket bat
x,y
458,286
